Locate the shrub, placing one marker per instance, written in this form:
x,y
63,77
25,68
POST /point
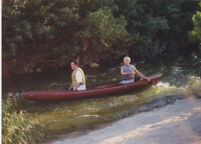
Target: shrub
x,y
17,127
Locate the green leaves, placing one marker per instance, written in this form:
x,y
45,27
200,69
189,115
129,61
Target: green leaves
x,y
17,127
103,30
197,26
195,35
157,27
157,24
97,28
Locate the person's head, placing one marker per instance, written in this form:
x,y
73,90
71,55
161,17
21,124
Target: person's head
x,y
127,60
74,64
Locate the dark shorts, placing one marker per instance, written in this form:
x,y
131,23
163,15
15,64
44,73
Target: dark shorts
x,y
71,89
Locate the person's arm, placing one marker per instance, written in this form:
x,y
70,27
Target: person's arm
x,y
78,79
77,85
70,87
126,73
140,74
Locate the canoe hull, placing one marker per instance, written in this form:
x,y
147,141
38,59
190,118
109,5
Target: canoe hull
x,y
56,95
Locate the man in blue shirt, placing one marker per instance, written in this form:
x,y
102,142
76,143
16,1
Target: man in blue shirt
x,y
128,72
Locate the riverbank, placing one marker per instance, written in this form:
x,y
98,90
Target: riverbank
x,y
177,123
67,118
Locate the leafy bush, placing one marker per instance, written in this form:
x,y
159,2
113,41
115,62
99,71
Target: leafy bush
x,y
49,33
195,35
56,30
101,33
17,127
158,27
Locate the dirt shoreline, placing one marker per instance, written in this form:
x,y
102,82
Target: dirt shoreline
x,y
179,123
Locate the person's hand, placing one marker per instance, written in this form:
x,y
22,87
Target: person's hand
x,y
133,73
147,79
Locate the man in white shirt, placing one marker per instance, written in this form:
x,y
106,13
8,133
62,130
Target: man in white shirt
x,y
78,77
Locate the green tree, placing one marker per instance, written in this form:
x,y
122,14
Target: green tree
x,y
40,33
101,34
157,27
196,32
48,33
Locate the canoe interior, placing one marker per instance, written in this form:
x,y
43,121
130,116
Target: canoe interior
x,y
106,85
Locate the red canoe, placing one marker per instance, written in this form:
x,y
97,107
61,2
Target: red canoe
x,y
92,91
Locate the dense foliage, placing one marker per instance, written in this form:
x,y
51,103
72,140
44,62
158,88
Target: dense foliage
x,y
195,35
17,127
51,32
48,33
158,27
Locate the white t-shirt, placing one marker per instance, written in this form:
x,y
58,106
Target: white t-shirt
x,y
78,76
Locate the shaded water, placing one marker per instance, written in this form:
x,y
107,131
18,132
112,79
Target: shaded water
x,y
181,79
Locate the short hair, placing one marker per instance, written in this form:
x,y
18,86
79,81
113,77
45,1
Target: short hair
x,y
128,58
76,62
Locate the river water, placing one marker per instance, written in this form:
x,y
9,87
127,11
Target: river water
x,y
181,79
